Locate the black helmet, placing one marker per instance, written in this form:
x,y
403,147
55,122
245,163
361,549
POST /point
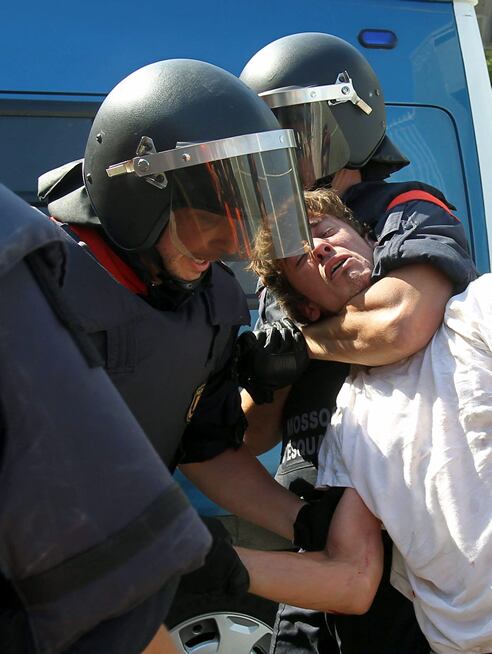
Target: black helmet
x,y
321,85
186,138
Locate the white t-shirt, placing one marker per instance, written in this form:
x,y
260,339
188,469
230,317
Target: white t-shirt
x,y
415,440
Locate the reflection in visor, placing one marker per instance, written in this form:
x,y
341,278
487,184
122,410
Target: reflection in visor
x,y
323,149
220,207
202,235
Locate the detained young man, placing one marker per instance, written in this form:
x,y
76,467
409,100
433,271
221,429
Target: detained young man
x,y
411,443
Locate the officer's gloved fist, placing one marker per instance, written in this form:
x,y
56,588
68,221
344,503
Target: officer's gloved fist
x,y
271,358
313,520
223,572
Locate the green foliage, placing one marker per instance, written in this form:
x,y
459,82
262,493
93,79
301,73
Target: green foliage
x,y
488,56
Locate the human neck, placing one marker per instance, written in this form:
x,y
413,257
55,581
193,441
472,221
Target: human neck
x,y
345,179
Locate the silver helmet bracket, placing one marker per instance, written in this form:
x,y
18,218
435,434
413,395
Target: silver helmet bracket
x,y
342,91
153,165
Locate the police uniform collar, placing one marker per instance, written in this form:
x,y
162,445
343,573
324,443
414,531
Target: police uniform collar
x,y
164,291
225,299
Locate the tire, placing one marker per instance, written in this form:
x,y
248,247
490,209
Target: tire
x,y
222,626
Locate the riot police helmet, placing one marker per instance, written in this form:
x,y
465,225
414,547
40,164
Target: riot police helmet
x,y
186,145
323,88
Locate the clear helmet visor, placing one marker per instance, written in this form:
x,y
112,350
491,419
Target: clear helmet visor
x,y
227,194
221,208
322,147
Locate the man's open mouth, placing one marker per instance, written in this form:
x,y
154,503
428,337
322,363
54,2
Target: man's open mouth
x,y
337,266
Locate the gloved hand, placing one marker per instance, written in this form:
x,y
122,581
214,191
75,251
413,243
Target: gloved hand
x,y
223,572
271,358
305,490
313,520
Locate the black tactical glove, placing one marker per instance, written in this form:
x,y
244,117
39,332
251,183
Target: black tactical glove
x,y
305,490
271,358
223,572
313,520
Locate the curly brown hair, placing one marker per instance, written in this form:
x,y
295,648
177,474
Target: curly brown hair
x,y
319,202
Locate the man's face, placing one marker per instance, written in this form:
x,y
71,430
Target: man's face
x,y
339,266
192,240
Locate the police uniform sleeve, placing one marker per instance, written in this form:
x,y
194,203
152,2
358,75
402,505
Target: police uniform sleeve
x,y
92,526
218,422
422,232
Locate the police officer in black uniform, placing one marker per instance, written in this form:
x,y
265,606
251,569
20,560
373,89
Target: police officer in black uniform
x,y
324,89
183,165
94,533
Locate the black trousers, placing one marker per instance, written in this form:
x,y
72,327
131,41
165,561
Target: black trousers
x,y
389,627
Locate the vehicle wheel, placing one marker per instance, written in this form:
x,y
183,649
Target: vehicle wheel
x,y
222,626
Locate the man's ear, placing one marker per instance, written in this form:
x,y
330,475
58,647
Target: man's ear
x,y
311,311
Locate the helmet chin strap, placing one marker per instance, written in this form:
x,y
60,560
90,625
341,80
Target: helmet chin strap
x,y
167,278
171,282
176,241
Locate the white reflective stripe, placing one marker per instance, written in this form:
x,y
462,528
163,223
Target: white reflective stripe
x,y
480,94
154,163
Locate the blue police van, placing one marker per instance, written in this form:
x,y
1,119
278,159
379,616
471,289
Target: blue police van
x,y
60,59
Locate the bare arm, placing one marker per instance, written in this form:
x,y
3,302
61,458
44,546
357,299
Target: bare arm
x,y
387,322
162,643
238,482
264,429
342,579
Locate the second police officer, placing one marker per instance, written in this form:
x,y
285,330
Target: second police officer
x,y
324,89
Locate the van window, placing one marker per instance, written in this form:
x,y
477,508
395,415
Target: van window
x,y
31,145
427,136
38,135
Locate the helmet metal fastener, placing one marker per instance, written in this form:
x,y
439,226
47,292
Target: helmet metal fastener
x,y
143,165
